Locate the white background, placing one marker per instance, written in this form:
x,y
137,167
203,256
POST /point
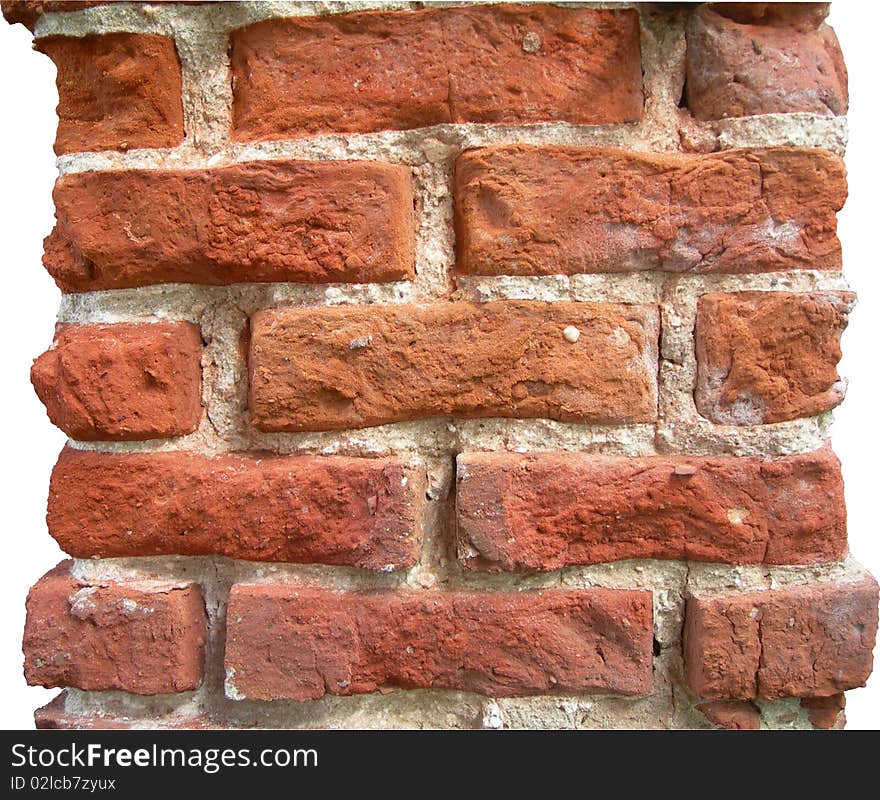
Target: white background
x,y
30,444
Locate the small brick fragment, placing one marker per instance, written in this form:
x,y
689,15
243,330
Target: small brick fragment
x,y
504,359
766,357
287,642
123,381
143,637
826,713
763,58
811,640
735,715
116,91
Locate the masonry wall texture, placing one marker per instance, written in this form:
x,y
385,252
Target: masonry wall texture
x,y
446,367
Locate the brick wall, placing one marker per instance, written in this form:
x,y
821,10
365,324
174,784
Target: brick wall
x,y
446,367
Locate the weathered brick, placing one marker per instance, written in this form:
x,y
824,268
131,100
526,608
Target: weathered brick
x,y
300,643
526,210
811,640
763,58
332,368
396,70
142,637
549,510
767,357
826,713
116,91
357,512
122,381
735,715
301,221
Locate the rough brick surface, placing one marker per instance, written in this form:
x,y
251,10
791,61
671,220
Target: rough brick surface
x,y
763,58
767,357
303,221
735,715
391,70
525,210
123,381
550,510
144,637
812,641
300,643
826,713
330,368
116,91
334,510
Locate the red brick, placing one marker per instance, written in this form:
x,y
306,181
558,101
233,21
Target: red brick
x,y
116,91
395,70
526,210
763,58
812,640
301,221
141,637
357,512
300,643
735,715
353,367
767,357
826,713
123,382
550,510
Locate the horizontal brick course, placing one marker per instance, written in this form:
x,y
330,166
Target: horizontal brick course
x,y
116,91
123,381
394,70
550,510
300,221
334,510
300,643
526,210
766,357
141,637
353,367
813,640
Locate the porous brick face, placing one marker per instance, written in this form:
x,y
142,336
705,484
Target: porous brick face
x,y
805,641
763,58
377,70
332,510
768,356
300,643
551,210
454,367
350,368
144,638
122,382
551,510
266,222
117,91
